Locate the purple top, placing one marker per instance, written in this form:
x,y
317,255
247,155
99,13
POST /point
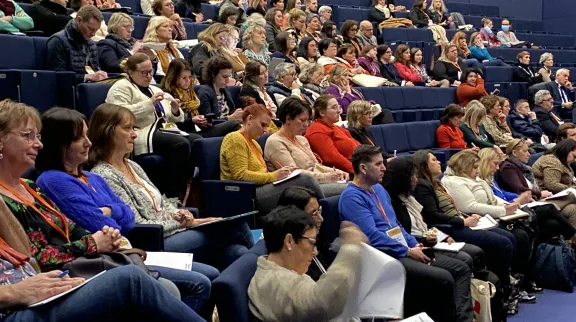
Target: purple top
x,y
346,99
370,65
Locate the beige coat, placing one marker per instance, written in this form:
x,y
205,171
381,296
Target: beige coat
x,y
551,174
280,294
279,149
127,94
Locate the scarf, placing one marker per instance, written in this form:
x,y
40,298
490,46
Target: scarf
x,y
526,170
15,238
384,10
128,44
527,69
189,99
414,208
7,7
164,55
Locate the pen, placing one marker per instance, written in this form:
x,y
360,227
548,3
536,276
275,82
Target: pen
x,y
279,164
64,273
473,145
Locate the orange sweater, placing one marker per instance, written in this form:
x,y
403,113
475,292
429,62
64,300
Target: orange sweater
x,y
449,137
466,93
333,144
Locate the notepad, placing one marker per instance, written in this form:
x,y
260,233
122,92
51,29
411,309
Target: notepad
x,y
292,175
454,247
485,222
182,261
226,219
518,214
48,300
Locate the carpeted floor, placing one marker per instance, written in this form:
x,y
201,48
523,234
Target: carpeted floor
x,y
552,306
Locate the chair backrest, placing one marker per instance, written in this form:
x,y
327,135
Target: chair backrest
x,y
331,225
207,151
17,52
230,289
90,96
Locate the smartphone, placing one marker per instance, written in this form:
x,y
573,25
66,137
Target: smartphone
x,y
429,252
210,117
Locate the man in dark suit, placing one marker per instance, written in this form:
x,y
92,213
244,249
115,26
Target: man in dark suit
x,y
549,122
563,93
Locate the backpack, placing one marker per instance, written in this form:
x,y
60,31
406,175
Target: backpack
x,y
555,266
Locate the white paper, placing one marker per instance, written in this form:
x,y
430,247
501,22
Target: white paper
x,y
154,45
562,193
292,175
48,300
422,317
187,43
485,222
454,247
379,289
181,261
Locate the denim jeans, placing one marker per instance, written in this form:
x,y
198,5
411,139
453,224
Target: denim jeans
x,y
194,286
218,244
121,294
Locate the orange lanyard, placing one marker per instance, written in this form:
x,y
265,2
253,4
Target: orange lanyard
x,y
37,197
84,179
12,255
255,150
375,198
150,194
456,65
267,100
368,138
297,144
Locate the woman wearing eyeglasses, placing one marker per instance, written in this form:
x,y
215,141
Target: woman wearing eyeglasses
x,y
159,30
119,44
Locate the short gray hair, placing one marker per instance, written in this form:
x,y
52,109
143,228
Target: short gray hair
x,y
308,70
545,56
539,97
117,20
282,70
562,70
324,8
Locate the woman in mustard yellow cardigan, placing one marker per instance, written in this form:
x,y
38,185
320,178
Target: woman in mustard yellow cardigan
x,y
241,160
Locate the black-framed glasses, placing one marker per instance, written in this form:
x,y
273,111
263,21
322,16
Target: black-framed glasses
x,y
312,241
146,73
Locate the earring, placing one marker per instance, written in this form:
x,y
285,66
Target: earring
x,y
1,155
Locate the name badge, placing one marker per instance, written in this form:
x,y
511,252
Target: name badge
x,y
459,75
89,70
396,234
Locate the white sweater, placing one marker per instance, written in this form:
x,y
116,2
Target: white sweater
x,y
472,196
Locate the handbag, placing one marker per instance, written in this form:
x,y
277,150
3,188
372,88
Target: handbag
x,y
555,266
91,265
482,292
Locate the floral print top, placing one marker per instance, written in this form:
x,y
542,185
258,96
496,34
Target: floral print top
x,y
47,245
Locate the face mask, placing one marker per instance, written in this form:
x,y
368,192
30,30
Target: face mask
x,y
505,28
488,30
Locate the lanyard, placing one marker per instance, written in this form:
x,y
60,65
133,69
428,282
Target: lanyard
x,y
375,198
48,218
12,255
150,194
368,138
456,65
299,145
255,151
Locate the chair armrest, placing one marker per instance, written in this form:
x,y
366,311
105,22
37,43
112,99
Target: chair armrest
x,y
224,198
147,237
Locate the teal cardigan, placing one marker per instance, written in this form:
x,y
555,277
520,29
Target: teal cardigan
x,y
21,21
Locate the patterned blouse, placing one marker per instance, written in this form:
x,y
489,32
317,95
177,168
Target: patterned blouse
x,y
47,245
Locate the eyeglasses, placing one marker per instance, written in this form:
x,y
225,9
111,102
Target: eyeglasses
x,y
317,212
337,108
128,27
312,241
29,136
146,73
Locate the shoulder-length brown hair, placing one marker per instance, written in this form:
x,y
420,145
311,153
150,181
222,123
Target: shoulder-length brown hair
x,y
170,81
101,129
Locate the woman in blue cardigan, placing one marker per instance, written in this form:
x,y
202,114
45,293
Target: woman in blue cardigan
x,y
88,200
481,53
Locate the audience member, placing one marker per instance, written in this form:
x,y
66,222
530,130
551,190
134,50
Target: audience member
x,y
114,50
14,18
327,49
325,13
562,92
255,77
472,87
340,88
285,84
487,35
448,134
421,19
311,78
346,58
543,109
547,62
291,238
368,60
387,69
552,170
103,30
288,148
273,26
313,26
159,30
459,40
524,123
285,48
402,64
367,204
474,133
307,51
366,35
507,38
213,95
311,7
349,31
380,11
566,131
333,144
495,121
360,117
234,55
450,66
417,65
71,49
87,199
277,4
155,112
440,16
296,22
192,9
229,16
209,41
329,30
50,16
253,40
523,72
481,53
241,160
232,4
256,6
165,8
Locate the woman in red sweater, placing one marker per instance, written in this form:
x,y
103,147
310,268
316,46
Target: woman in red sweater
x,y
470,89
333,144
402,64
448,134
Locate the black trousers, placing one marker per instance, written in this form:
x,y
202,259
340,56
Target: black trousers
x,y
552,223
441,289
176,150
471,255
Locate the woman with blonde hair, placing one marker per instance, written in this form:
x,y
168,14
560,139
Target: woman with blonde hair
x,y
233,54
360,116
165,8
256,6
254,42
209,42
474,133
460,41
340,87
450,66
439,15
296,23
160,30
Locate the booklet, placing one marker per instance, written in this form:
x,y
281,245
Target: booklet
x,y
182,261
292,175
48,300
518,214
226,219
454,247
485,222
